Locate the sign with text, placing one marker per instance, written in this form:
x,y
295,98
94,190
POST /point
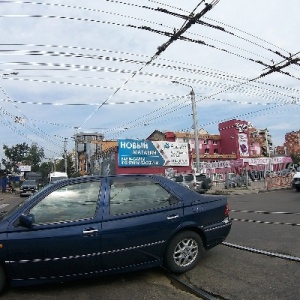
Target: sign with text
x,y
24,168
221,164
267,160
144,153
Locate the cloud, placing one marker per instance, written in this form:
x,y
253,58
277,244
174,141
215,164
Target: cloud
x,y
99,52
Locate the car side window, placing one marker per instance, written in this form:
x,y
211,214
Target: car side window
x,y
130,195
69,203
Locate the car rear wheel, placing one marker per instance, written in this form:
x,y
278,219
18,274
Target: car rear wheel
x,y
2,279
183,252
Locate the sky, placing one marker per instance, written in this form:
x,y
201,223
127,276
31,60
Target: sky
x,y
109,67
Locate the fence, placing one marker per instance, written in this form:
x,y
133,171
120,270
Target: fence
x,y
267,182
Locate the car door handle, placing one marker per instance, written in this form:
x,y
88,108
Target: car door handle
x,y
172,217
90,231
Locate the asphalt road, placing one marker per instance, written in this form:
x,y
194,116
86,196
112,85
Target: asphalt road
x,y
268,222
260,223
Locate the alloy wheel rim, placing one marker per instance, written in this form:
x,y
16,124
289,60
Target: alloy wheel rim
x,y
185,252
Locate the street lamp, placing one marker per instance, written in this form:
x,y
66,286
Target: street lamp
x,y
195,122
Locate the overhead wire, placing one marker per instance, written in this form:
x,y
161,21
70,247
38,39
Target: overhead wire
x,y
114,1
160,50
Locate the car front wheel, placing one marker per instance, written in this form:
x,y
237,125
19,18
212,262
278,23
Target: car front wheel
x,y
183,252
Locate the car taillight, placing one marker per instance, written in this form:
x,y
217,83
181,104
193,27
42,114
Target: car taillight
x,y
226,212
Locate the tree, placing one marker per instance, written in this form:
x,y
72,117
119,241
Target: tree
x,y
34,157
45,169
296,158
60,165
22,154
15,156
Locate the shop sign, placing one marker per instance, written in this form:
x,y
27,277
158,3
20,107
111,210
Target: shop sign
x,y
143,153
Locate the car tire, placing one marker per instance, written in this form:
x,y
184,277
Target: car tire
x,y
2,279
183,252
206,184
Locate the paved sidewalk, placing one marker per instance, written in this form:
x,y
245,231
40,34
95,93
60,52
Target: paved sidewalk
x,y
258,186
6,196
235,191
243,190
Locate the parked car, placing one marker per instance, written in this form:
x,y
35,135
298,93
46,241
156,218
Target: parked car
x,y
28,187
237,181
93,225
181,179
296,181
199,183
202,183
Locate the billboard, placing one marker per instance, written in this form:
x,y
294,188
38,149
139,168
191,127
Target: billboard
x,y
24,168
243,144
144,153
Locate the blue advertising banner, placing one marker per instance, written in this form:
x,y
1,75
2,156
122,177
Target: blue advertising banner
x,y
134,153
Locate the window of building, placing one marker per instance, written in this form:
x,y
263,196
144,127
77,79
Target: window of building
x,y
206,151
215,142
205,142
216,151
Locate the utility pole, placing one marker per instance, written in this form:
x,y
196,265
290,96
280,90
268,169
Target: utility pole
x,y
195,124
65,155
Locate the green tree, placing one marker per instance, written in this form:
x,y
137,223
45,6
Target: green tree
x,y
22,154
60,165
34,157
45,169
296,158
15,155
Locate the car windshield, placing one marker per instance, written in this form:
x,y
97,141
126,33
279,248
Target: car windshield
x,y
29,182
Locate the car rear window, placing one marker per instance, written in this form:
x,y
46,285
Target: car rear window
x,y
189,177
178,179
200,177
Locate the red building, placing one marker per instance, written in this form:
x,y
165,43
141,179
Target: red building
x,y
239,145
235,138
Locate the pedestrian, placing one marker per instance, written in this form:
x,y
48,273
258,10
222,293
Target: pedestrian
x,y
3,184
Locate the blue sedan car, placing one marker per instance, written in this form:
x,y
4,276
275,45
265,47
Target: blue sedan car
x,y
91,226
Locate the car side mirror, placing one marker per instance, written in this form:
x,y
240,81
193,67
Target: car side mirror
x,y
26,220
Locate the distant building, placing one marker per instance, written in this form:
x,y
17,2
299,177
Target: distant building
x,y
237,139
237,145
86,145
292,142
